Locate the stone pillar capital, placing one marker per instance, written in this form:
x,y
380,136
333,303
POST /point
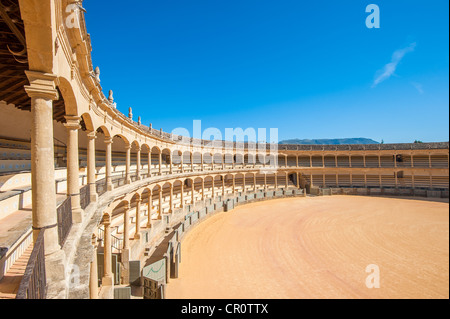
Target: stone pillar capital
x,y
72,122
108,140
92,135
106,220
128,146
42,85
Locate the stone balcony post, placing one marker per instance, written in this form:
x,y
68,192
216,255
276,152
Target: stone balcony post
x,y
182,195
171,200
73,169
150,204
42,91
138,163
149,163
109,184
91,179
203,189
160,209
127,164
93,273
137,234
126,227
108,279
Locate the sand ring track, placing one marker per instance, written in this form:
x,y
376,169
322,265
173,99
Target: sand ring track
x,y
318,247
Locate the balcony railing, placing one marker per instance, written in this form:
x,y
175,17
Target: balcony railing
x,y
116,242
34,281
64,213
85,196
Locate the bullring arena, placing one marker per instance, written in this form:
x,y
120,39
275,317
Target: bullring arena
x,y
94,204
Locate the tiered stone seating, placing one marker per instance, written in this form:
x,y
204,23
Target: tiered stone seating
x,y
387,161
439,161
421,161
372,161
343,161
357,161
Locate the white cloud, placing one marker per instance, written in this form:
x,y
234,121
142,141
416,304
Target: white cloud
x,y
389,69
418,87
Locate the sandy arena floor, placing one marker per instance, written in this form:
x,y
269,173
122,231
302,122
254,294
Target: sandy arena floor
x,y
318,247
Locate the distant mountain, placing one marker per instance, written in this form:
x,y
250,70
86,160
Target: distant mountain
x,y
334,141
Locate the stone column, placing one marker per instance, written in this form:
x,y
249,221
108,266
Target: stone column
x,y
203,189
160,209
171,200
223,162
138,163
127,164
170,163
126,227
91,166
182,166
234,183
296,160
150,204
201,162
93,275
137,235
350,161
182,195
160,162
192,161
42,92
223,185
149,163
285,161
73,168
265,181
108,279
192,192
254,182
310,161
243,184
213,195
287,180
298,180
109,184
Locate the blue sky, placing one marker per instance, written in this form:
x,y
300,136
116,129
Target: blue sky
x,y
312,69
